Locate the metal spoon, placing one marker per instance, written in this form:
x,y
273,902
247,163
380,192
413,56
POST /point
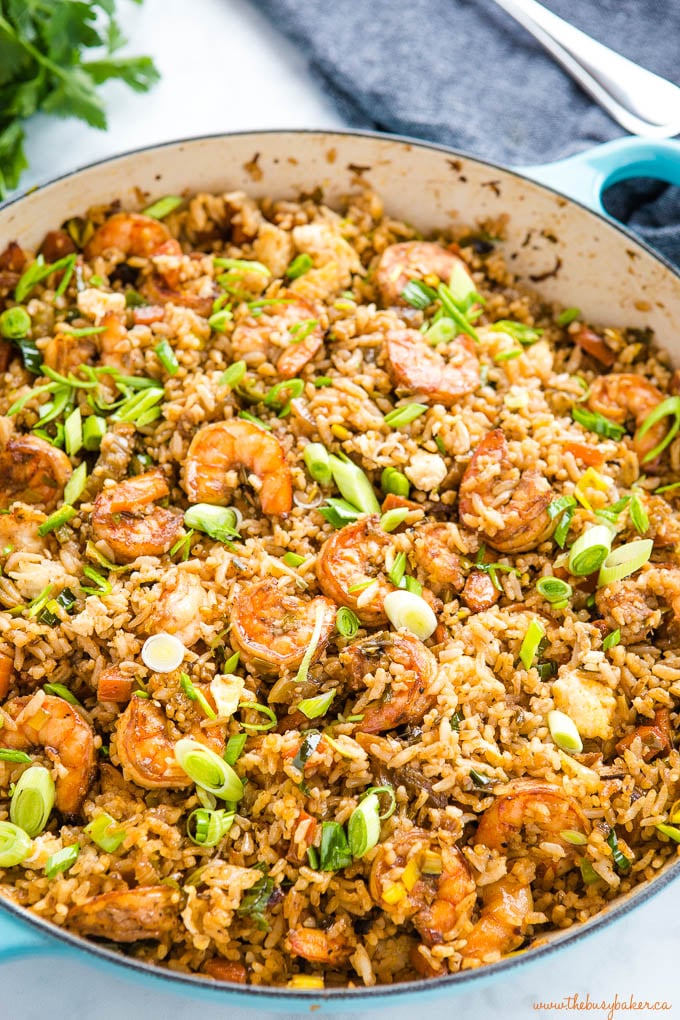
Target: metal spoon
x,y
640,101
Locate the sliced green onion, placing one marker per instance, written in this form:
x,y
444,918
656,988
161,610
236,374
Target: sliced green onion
x,y
662,488
322,380
479,779
531,643
103,830
353,484
141,408
233,375
301,330
292,559
234,747
408,610
218,321
232,662
597,423
314,708
32,800
525,335
85,331
452,310
104,587
307,749
590,550
15,323
312,647
668,830
620,860
300,265
346,622
401,416
442,331
247,416
30,355
281,394
208,827
208,770
516,352
418,294
318,463
94,430
398,570
564,732
265,710
412,585
163,653
163,207
75,486
668,408
625,560
567,316
62,691
363,827
167,357
393,518
133,299
219,522
39,271
62,860
244,265
638,514
463,290
574,837
393,481
18,757
553,589
588,873
73,432
334,852
56,520
15,845
339,512
611,640
194,694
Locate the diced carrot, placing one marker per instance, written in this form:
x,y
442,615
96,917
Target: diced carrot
x,y
113,686
588,454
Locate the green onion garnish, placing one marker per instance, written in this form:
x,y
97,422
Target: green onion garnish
x,y
103,830
140,408
17,757
508,355
219,522
301,330
668,408
280,395
194,694
595,422
620,860
75,486
353,484
393,518
554,590
407,609
233,375
231,663
393,481
363,827
668,830
564,732
401,416
463,290
103,587
588,873
247,416
418,294
638,514
625,561
32,800
334,852
322,380
314,708
234,748
56,520
241,266
300,265
62,860
339,512
39,271
453,312
307,749
94,430
398,569
61,691
303,670
590,550
163,207
479,779
15,323
346,622
611,640
73,432
531,643
525,335
218,320
292,559
567,316
208,827
15,845
208,770
574,837
167,357
442,331
265,710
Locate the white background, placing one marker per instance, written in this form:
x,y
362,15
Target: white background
x,y
225,68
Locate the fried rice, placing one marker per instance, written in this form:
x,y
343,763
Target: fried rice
x,y
449,717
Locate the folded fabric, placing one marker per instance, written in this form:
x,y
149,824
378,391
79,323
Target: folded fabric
x,y
461,72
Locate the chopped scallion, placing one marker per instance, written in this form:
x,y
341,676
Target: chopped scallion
x,y
402,416
531,643
625,560
167,357
208,770
564,732
233,375
346,622
62,860
354,485
590,550
219,522
32,800
104,832
314,708
363,827
161,208
56,520
393,481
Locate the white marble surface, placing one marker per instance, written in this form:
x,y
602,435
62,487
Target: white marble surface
x,y
225,68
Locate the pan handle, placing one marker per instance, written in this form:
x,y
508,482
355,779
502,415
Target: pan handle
x,y
585,176
20,938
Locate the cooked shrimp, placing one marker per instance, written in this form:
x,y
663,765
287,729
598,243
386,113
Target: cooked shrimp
x,y
128,915
289,333
436,553
180,606
329,946
65,735
500,928
224,446
6,673
147,751
520,520
125,518
350,559
411,670
32,470
439,375
115,345
65,352
272,628
530,806
635,605
434,887
130,233
412,260
19,530
624,396
479,592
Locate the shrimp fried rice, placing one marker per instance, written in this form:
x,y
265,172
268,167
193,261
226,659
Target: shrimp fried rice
x,y
339,591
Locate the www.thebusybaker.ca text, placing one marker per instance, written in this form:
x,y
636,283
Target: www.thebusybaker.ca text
x,y
609,1007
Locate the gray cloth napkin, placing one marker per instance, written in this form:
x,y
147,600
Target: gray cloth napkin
x,y
461,72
